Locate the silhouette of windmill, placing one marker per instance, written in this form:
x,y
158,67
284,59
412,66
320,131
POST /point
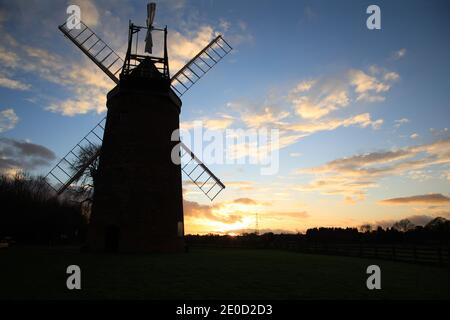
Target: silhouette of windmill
x,y
138,201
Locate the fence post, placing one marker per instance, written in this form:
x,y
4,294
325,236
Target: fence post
x,y
448,251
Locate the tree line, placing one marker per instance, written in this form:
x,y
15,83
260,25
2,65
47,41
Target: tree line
x,y
436,232
31,213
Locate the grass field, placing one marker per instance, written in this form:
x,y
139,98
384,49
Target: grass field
x,y
39,273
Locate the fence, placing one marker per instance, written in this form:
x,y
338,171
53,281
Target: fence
x,y
433,255
422,254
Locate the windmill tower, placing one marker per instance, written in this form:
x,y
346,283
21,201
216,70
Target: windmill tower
x,y
137,201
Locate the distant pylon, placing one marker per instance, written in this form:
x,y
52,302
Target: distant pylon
x,y
256,224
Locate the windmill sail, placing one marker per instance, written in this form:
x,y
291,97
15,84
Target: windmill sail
x,y
151,8
67,172
199,174
95,48
187,76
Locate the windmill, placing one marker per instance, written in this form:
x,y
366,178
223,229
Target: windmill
x,y
138,203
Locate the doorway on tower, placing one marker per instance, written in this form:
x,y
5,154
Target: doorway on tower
x,y
112,236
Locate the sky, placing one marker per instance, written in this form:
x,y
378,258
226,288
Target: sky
x,y
362,116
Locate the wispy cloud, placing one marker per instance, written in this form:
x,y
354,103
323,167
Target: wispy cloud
x,y
241,185
399,54
417,220
316,98
193,209
86,84
362,120
351,177
311,102
218,123
367,87
400,122
13,84
184,47
8,120
426,199
89,11
18,155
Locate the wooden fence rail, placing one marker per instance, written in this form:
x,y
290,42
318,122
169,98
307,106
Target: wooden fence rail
x,y
422,254
435,255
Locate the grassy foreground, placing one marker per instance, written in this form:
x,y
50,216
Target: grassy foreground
x,y
40,273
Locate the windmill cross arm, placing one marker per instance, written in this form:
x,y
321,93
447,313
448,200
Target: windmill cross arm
x,y
79,173
199,65
95,48
193,156
208,183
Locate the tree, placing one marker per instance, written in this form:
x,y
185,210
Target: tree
x,y
403,225
365,228
87,162
32,213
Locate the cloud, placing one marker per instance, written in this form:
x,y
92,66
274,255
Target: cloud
x,y
290,133
21,155
237,33
368,87
245,201
182,47
240,185
401,122
316,98
13,84
87,84
224,25
440,132
89,12
256,115
313,99
196,210
220,123
8,58
414,136
315,109
8,120
362,120
352,176
432,198
267,117
82,86
304,86
418,220
281,215
399,54
391,76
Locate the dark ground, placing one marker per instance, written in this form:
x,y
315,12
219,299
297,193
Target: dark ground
x,y
40,273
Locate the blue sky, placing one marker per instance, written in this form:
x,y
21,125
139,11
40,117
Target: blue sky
x,y
336,91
